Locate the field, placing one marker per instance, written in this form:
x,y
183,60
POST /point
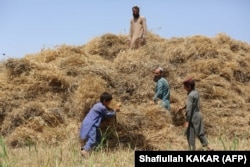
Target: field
x,y
45,96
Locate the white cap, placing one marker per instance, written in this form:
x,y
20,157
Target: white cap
x,y
160,68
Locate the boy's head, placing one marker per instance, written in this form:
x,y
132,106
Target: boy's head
x,y
106,98
189,84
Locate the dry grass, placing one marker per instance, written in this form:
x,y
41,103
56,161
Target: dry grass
x,y
68,154
45,96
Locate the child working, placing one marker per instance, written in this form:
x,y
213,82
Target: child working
x,y
193,123
90,125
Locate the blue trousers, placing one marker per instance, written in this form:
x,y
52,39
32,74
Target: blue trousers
x,y
93,138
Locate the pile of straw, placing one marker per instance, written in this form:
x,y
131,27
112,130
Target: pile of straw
x,y
46,95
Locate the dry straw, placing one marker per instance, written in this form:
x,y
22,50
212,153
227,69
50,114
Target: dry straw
x,y
44,94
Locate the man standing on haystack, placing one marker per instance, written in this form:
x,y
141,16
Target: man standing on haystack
x,y
162,90
138,29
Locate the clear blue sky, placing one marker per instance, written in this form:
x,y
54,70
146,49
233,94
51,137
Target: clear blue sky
x,y
27,26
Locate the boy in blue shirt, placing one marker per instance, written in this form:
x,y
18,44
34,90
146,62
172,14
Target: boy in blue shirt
x,y
89,129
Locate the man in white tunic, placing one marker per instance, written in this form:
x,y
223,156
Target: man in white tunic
x,y
138,29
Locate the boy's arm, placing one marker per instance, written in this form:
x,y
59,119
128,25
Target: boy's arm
x,y
189,108
117,107
112,112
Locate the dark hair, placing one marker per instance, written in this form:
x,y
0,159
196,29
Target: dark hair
x,y
105,96
136,7
190,82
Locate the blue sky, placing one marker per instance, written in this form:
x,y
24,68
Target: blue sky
x,y
27,26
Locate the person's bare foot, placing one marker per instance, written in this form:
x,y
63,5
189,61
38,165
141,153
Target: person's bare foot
x,y
84,153
207,148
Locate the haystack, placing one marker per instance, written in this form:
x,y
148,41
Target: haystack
x,y
46,95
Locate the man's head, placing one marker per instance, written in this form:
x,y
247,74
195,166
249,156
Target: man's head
x,y
136,12
158,73
106,98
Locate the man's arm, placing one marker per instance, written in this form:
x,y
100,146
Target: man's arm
x,y
145,29
131,29
158,91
